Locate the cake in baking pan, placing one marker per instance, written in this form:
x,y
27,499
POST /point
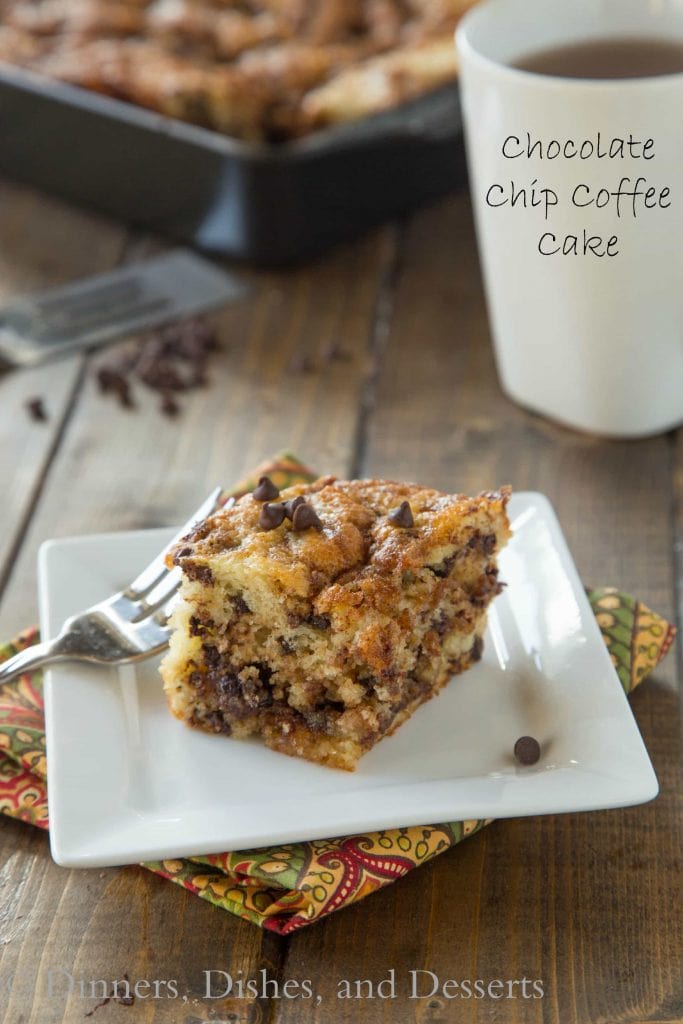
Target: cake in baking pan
x,y
253,69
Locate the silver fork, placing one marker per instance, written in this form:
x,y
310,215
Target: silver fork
x,y
128,626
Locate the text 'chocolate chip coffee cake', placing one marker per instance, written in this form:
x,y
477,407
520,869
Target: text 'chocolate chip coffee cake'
x,y
322,617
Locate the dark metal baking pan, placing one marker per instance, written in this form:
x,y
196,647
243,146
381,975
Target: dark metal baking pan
x,y
258,203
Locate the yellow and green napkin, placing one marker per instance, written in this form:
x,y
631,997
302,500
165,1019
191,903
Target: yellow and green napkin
x,y
283,888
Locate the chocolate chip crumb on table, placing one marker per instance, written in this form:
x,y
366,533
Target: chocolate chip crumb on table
x,y
168,361
35,407
322,621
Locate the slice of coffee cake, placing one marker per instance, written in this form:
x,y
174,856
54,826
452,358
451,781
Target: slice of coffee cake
x,y
322,617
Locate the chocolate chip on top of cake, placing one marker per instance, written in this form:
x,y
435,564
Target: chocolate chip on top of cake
x,y
321,622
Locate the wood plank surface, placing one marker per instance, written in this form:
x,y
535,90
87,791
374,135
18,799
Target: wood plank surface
x,y
128,469
277,382
63,930
589,904
43,242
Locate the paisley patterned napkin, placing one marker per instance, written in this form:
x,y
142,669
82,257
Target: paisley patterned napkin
x,y
283,888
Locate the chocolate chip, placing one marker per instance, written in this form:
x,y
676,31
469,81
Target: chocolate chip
x,y
214,720
486,543
487,587
319,621
292,504
271,516
201,573
211,655
160,374
197,626
305,518
527,750
156,360
169,406
184,552
441,624
266,490
402,516
109,379
444,569
112,381
36,410
197,333
240,605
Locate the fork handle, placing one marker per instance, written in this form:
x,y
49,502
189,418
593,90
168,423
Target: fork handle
x,y
28,660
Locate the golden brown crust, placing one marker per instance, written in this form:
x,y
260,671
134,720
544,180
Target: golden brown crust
x,y
357,535
380,83
292,65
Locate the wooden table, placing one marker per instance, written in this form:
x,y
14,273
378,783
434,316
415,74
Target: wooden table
x,y
592,904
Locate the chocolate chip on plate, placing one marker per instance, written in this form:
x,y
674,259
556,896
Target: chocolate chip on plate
x,y
402,516
271,516
527,750
305,517
266,490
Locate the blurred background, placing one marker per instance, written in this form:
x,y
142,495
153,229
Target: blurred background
x,y
316,117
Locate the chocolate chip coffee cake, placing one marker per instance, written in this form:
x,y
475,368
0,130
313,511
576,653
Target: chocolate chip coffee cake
x,y
255,69
321,617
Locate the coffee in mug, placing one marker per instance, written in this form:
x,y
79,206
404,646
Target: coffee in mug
x,y
607,58
572,115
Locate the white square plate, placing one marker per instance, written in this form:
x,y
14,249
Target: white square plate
x,y
128,782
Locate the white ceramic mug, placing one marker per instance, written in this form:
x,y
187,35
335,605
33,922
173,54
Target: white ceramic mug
x,y
595,342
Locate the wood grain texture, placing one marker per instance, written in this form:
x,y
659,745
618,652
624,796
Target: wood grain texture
x,y
677,517
63,930
120,469
42,243
590,904
126,469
